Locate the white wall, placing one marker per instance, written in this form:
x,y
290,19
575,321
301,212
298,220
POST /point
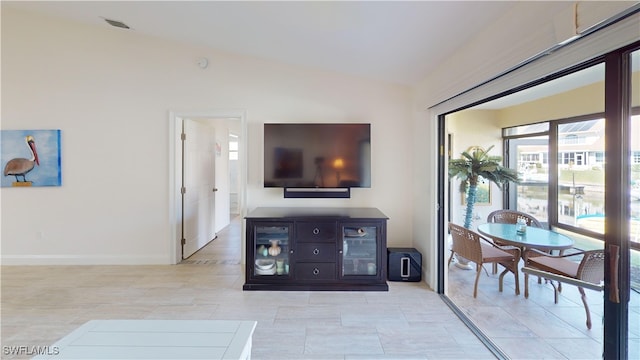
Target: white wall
x,y
110,91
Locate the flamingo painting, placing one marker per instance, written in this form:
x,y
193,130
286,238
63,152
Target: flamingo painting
x,y
21,166
27,167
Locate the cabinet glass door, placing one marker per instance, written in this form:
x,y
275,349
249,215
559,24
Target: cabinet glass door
x,y
359,251
271,251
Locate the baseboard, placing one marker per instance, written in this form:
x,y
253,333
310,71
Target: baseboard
x,y
84,260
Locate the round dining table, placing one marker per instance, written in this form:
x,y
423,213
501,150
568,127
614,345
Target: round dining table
x,y
533,238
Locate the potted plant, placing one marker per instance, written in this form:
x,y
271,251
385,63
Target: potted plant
x,y
477,165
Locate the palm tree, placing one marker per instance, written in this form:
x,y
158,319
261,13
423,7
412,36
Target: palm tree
x,y
473,167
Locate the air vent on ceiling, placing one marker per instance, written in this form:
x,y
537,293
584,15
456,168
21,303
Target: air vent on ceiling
x,y
116,23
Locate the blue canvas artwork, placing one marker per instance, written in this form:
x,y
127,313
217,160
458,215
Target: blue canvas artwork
x,y
30,158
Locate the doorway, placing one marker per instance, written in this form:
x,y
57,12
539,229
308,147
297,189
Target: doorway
x,y
223,124
199,186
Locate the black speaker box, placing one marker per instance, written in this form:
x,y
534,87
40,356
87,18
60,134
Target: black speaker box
x,y
405,264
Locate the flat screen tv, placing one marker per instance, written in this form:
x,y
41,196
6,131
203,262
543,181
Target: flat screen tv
x,y
317,155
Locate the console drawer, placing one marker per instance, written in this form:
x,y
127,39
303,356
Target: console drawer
x,y
315,271
317,252
323,231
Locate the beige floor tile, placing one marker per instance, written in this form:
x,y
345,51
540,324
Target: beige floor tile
x,y
340,340
41,304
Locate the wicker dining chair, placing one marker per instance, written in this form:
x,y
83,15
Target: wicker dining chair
x,y
589,270
506,216
475,248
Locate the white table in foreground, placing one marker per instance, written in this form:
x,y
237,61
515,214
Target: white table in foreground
x,y
156,339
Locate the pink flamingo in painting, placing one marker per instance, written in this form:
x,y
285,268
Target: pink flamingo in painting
x,y
20,166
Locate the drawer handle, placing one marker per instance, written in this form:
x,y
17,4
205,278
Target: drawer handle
x,y
316,271
316,251
316,231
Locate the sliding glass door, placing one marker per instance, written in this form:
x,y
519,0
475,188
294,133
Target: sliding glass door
x,y
577,150
633,203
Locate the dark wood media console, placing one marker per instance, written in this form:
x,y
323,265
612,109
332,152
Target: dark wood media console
x,y
316,249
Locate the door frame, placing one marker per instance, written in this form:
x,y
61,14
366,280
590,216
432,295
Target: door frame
x,y
175,171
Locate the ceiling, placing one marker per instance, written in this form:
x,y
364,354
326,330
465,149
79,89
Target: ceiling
x,y
391,41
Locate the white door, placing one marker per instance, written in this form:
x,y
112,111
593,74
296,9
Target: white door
x,y
198,179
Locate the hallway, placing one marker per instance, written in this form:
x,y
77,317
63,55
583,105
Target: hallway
x,y
225,249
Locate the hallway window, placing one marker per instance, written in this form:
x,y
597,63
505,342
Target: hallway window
x,y
233,149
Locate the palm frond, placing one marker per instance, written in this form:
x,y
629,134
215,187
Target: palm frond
x,y
479,163
472,167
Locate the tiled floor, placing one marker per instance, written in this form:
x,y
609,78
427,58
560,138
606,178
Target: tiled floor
x,y
41,304
537,328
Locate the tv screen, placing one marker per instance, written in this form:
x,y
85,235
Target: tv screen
x,y
317,155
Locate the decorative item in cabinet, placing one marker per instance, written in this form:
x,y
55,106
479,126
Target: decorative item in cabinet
x,y
265,267
272,254
274,249
361,257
